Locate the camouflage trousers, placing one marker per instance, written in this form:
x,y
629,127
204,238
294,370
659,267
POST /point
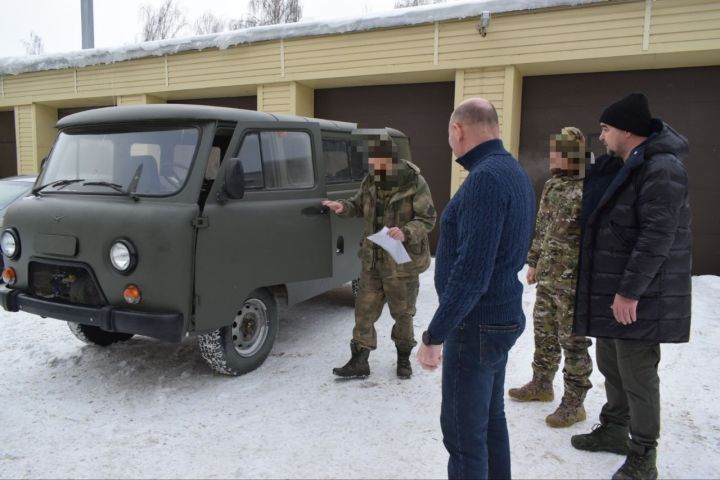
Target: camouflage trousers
x,y
553,320
400,293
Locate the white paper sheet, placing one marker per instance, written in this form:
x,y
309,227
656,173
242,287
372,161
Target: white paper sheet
x,y
393,247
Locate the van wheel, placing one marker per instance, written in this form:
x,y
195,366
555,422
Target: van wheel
x,y
355,285
97,336
243,346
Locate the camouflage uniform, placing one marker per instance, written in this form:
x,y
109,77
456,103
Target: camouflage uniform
x,y
554,255
407,205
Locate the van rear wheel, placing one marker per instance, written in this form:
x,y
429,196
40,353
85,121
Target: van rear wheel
x,y
243,346
97,336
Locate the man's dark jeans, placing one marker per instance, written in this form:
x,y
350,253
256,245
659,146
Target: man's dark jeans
x,y
473,410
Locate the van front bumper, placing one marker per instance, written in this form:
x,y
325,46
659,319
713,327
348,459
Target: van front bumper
x,y
163,326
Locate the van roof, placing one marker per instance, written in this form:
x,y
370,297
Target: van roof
x,y
174,112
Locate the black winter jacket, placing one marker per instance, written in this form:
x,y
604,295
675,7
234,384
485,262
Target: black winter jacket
x,y
637,242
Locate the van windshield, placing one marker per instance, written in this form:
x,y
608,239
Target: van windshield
x,y
148,162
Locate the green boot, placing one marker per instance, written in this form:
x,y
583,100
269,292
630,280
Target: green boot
x,y
638,466
358,366
539,389
569,412
610,437
404,368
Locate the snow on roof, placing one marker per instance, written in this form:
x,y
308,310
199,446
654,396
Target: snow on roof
x,y
388,19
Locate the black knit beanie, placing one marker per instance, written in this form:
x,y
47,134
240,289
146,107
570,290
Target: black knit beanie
x,y
631,114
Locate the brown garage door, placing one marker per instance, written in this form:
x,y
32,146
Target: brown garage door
x,y
8,154
64,112
246,103
421,111
686,98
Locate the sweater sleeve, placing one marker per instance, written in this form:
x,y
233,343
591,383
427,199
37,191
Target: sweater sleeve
x,y
481,215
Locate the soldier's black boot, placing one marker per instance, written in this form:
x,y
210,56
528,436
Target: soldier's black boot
x,y
358,366
639,465
609,437
404,368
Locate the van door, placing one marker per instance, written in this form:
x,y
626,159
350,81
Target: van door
x,y
277,233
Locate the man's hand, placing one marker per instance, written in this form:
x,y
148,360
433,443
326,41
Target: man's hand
x,y
336,207
531,275
624,309
429,357
396,233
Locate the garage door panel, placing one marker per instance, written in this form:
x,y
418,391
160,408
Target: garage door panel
x,y
8,152
688,99
421,111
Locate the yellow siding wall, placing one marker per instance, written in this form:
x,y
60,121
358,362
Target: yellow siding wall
x,y
24,139
274,98
488,83
138,99
34,135
291,98
380,51
608,30
241,65
690,24
588,32
45,118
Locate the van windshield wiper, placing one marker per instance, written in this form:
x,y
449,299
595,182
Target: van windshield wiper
x,y
58,184
114,186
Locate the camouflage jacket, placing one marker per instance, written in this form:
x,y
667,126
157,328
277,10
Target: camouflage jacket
x,y
556,244
408,206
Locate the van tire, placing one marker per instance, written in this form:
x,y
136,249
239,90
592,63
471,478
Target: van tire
x,y
93,335
228,351
355,286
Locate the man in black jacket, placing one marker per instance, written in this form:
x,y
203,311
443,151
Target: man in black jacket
x,y
634,279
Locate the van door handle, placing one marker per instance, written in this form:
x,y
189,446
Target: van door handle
x,y
315,211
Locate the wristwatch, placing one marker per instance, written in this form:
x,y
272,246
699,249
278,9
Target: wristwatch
x,y
428,340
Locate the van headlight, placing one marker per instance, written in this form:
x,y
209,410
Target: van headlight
x,y
123,256
10,244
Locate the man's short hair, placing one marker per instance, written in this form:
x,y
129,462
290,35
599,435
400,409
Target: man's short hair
x,y
471,113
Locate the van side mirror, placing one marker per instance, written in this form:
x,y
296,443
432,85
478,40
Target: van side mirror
x,y
234,179
43,162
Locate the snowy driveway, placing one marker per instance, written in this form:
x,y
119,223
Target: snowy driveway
x,y
146,409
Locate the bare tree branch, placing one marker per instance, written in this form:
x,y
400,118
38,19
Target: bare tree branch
x,y
273,12
415,3
34,46
208,23
161,23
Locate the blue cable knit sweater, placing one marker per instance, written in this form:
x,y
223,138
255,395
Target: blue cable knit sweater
x,y
485,234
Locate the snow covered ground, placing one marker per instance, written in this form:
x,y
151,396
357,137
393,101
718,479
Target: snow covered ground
x,y
145,409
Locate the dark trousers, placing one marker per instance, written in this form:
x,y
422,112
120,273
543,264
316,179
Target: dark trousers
x,y
632,386
472,415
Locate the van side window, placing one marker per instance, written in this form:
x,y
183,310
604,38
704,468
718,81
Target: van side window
x,y
337,161
251,160
358,162
287,159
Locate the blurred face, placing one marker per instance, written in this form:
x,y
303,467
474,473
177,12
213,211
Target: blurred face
x,y
379,164
613,139
558,161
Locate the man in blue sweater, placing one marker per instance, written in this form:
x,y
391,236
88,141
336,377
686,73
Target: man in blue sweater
x,y
485,234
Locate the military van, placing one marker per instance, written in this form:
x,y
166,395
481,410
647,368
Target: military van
x,y
175,220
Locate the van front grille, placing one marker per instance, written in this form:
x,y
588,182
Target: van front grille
x,y
69,283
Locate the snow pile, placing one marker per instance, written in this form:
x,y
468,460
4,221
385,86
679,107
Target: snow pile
x,y
388,19
145,409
